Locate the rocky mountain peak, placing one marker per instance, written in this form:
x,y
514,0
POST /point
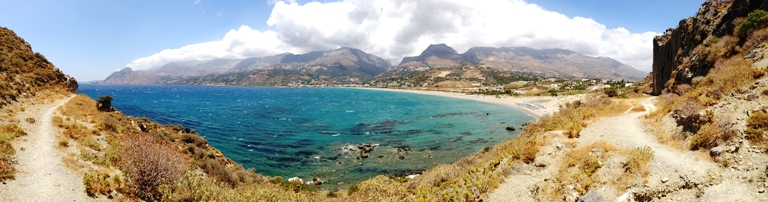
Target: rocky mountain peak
x,y
439,50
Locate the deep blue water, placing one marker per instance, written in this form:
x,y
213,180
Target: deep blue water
x,y
300,131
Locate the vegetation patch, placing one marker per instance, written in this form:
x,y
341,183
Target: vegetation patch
x,y
757,125
7,152
149,162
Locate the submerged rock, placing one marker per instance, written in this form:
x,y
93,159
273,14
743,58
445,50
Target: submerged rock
x,y
510,128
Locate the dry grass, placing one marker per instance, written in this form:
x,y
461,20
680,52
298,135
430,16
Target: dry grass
x,y
7,152
102,183
757,125
636,169
712,134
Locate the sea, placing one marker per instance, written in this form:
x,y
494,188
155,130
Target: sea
x,y
306,132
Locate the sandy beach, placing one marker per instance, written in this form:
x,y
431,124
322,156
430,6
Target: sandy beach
x,y
551,104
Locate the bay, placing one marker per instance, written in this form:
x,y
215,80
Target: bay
x,y
301,131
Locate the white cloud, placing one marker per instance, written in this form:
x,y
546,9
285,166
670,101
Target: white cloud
x,y
273,2
242,43
196,2
394,29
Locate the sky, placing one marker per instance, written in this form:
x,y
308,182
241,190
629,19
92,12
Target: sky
x,y
90,39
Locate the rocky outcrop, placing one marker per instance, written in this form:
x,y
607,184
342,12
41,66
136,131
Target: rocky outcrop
x,y
674,59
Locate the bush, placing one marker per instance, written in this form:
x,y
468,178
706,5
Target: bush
x,y
105,103
30,120
149,162
101,184
611,92
194,139
755,20
757,124
638,160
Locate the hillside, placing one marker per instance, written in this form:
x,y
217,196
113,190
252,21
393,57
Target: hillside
x,y
545,62
23,72
340,66
448,77
702,139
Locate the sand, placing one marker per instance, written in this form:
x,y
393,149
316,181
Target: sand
x,y
552,104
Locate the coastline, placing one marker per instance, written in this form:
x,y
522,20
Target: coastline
x,y
552,104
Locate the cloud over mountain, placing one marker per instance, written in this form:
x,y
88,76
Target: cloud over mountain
x,y
393,29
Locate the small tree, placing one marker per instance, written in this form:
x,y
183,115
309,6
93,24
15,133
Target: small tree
x,y
611,92
105,103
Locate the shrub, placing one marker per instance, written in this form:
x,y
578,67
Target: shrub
x,y
756,38
757,124
89,142
712,134
105,103
101,184
755,19
194,139
149,162
7,152
30,120
638,160
611,92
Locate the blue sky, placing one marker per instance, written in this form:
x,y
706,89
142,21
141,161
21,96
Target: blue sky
x,y
91,39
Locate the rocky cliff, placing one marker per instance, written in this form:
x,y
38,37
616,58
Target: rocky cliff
x,y
545,62
24,72
675,59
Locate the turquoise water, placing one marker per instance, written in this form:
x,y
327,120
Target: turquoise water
x,y
301,131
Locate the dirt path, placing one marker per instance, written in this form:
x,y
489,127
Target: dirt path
x,y
624,131
42,177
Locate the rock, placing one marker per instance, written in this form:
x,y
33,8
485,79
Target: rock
x,y
401,157
752,96
510,128
664,180
716,151
317,181
296,180
743,89
761,190
412,176
592,196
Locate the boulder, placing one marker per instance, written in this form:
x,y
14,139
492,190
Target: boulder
x,y
716,151
752,96
510,128
317,181
592,196
296,180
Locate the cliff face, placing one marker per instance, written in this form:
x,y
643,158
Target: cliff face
x,y
24,72
673,52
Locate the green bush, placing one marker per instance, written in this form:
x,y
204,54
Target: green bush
x,y
611,92
755,20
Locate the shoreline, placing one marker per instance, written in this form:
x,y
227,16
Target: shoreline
x,y
552,104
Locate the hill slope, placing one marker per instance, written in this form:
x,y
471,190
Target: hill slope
x,y
545,62
24,72
343,65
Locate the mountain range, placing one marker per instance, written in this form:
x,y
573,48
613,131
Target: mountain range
x,y
343,65
545,62
349,65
